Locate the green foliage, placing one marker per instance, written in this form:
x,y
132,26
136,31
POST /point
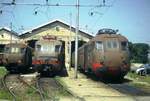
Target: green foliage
x,y
5,94
139,78
3,71
30,91
139,52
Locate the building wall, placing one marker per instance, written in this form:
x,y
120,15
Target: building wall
x,y
5,37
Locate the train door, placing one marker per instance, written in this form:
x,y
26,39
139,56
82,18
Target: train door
x,y
85,57
1,53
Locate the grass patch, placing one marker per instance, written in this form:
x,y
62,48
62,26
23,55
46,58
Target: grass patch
x,y
63,89
137,77
30,91
141,86
29,94
3,71
5,95
141,82
57,78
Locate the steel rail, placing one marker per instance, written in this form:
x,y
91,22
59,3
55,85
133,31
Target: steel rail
x,y
37,88
41,92
8,89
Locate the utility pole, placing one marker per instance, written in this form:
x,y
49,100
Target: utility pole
x,y
10,36
11,33
76,39
70,15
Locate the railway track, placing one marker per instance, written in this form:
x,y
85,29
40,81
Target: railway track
x,y
52,89
38,89
7,88
41,91
16,85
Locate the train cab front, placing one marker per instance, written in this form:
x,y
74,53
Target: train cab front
x,y
111,71
46,64
113,60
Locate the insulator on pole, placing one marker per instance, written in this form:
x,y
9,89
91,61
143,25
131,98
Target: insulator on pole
x,y
1,11
104,2
13,2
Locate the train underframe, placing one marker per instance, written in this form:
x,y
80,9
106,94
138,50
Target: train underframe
x,y
110,72
18,68
47,69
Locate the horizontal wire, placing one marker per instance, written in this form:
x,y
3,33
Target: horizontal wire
x,y
29,4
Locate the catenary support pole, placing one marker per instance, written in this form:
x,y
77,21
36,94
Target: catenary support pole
x,y
76,38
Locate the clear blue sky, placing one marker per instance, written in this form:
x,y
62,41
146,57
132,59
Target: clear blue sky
x,y
131,17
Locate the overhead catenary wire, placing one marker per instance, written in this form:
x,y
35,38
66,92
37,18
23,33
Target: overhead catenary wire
x,y
102,14
57,4
48,4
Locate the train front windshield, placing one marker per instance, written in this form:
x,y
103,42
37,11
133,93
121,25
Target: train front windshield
x,y
48,48
116,45
112,45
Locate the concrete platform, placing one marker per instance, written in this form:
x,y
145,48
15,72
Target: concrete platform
x,y
86,89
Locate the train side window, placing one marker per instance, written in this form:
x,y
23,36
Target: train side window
x,y
99,45
7,50
38,47
15,50
124,45
57,48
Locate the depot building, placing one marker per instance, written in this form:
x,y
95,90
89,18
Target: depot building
x,y
58,29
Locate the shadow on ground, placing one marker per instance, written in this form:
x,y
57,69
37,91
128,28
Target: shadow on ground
x,y
106,80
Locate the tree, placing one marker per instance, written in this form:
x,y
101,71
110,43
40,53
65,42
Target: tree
x,y
139,52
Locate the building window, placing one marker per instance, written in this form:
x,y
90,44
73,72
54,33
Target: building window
x,y
2,36
57,28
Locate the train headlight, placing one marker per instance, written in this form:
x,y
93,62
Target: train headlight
x,y
19,61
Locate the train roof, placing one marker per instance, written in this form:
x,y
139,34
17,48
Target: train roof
x,y
107,31
107,36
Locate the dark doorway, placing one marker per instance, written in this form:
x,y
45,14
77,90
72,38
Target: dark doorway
x,y
31,43
1,53
80,43
2,48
